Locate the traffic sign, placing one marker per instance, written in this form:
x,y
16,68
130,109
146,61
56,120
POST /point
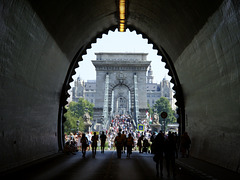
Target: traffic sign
x,y
164,115
140,127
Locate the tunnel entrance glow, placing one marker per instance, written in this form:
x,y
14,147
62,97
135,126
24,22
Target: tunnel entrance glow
x,y
116,42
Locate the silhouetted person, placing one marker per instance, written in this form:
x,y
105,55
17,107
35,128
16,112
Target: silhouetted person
x,y
139,143
103,140
152,138
145,145
129,143
158,153
170,150
73,145
68,149
185,144
123,136
84,142
177,141
119,145
94,144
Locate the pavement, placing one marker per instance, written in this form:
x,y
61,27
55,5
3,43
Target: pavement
x,y
108,167
206,170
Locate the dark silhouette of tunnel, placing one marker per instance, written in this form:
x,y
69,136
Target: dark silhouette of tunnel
x,y
43,41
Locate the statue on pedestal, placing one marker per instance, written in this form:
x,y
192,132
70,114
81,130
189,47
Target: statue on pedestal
x,y
155,125
87,122
156,119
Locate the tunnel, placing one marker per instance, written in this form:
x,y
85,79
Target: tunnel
x,y
43,41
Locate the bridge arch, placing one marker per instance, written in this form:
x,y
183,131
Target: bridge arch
x,y
165,58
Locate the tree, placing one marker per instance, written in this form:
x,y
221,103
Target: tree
x,y
75,112
163,105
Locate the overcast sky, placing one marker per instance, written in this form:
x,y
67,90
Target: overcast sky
x,y
121,42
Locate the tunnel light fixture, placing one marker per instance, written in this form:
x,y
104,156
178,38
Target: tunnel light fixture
x,y
122,15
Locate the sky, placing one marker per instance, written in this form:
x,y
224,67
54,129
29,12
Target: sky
x,y
123,42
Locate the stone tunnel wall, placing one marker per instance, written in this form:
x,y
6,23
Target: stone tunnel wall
x,y
31,76
209,71
33,69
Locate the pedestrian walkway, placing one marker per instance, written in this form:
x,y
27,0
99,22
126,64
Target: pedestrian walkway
x,y
206,170
107,166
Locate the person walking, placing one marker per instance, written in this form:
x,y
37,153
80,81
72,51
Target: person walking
x,y
103,140
123,136
129,143
119,145
139,143
185,144
145,145
79,144
152,138
84,142
158,153
89,137
170,151
94,144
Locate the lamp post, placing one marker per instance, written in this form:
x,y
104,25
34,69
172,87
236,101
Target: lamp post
x,y
77,122
164,116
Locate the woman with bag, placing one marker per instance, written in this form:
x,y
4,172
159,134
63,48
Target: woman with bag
x,y
130,144
84,142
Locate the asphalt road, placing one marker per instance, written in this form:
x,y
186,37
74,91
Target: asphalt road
x,y
104,167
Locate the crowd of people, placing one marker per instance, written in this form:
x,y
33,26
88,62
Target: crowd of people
x,y
123,137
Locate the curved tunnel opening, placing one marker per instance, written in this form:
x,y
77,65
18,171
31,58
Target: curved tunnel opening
x,y
83,51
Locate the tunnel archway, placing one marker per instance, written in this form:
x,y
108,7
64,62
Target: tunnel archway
x,y
41,39
165,58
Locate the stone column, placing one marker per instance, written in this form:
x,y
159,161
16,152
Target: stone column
x,y
129,102
136,99
112,104
105,105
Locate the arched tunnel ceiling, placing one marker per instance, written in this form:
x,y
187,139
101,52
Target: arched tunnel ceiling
x,y
41,41
170,24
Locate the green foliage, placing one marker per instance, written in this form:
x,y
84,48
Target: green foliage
x,y
163,105
75,111
150,110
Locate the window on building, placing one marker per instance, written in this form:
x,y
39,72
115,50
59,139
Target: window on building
x,y
153,102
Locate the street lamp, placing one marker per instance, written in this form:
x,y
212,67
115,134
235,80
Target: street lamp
x,y
77,123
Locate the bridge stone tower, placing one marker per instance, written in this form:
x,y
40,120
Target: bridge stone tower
x,y
120,86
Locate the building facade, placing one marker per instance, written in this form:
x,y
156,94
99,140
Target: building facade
x,y
155,90
82,89
123,85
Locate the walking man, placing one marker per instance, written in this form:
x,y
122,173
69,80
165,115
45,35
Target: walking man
x,y
103,140
119,145
94,144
